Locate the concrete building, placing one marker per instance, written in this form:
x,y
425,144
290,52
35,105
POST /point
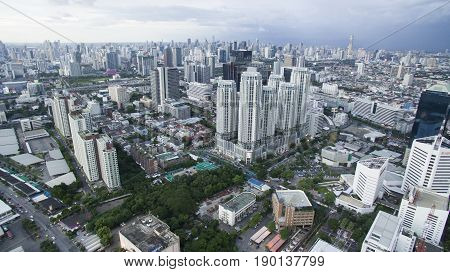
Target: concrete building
x,y
199,91
164,84
119,95
334,157
148,234
78,123
268,112
32,123
377,112
6,213
60,112
428,164
387,235
301,77
287,107
291,208
88,155
107,158
424,213
178,110
235,209
369,176
227,110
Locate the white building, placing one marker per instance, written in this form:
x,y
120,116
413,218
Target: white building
x,y
428,165
287,107
250,109
425,213
334,157
235,209
78,123
369,176
199,91
268,112
301,77
227,109
387,235
330,88
107,157
60,115
360,68
377,112
88,155
408,79
275,80
119,95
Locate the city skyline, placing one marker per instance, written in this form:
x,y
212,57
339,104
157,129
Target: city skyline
x,y
94,21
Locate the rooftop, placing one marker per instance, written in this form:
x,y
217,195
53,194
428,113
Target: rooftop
x,y
27,159
384,229
149,234
4,207
425,198
57,167
442,87
322,246
240,201
353,201
375,163
295,198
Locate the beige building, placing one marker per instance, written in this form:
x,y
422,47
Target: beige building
x,y
292,208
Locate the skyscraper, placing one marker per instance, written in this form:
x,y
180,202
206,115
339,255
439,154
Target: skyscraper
x,y
227,109
112,60
428,165
145,63
164,84
78,123
287,107
60,110
301,77
88,154
368,181
249,109
433,111
268,112
119,95
177,57
168,57
107,157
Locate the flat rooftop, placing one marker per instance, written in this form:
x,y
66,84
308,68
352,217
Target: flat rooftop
x,y
4,208
374,163
295,198
149,234
426,199
352,201
240,201
384,229
322,246
27,159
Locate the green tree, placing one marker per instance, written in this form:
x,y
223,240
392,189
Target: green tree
x,y
48,246
104,233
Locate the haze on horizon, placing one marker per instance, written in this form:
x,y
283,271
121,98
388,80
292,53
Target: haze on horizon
x,y
313,23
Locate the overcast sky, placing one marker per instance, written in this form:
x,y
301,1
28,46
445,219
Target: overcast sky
x,y
313,22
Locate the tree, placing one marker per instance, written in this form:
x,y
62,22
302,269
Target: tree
x,y
48,246
271,226
329,198
104,233
284,234
333,224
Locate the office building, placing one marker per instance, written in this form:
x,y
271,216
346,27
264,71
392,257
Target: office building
x,y
424,213
387,235
168,57
236,209
145,63
368,182
164,84
148,234
428,165
334,157
107,158
60,110
179,110
112,61
291,208
301,77
119,95
433,111
227,110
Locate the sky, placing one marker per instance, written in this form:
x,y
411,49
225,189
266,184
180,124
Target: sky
x,y
313,22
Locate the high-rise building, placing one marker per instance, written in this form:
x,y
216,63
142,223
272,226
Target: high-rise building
x,y
428,165
433,111
268,112
301,77
177,57
275,80
79,122
107,157
249,109
287,107
145,63
425,213
168,57
227,109
164,84
119,95
360,68
112,60
350,47
88,154
289,61
368,181
60,109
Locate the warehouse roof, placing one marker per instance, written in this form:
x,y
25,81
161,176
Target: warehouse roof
x,y
55,154
57,167
67,179
27,159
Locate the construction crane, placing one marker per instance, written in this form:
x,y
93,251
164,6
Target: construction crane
x,y
421,246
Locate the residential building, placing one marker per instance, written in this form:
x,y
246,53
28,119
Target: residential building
x,y
119,95
107,158
227,110
60,110
164,84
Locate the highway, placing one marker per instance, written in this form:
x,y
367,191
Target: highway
x,y
42,220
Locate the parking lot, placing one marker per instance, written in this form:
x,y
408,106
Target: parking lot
x,y
21,238
243,241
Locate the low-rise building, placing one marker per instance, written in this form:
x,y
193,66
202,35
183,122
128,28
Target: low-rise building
x,y
332,156
236,209
292,208
148,234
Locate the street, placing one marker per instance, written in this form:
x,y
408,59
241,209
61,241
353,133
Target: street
x,y
42,220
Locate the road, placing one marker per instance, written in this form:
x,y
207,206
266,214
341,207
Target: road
x,y
42,220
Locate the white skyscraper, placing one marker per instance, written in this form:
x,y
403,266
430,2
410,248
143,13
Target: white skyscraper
x,y
119,94
301,77
268,112
109,166
368,180
428,165
287,107
275,80
60,117
425,213
88,155
250,102
78,123
227,109
360,68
